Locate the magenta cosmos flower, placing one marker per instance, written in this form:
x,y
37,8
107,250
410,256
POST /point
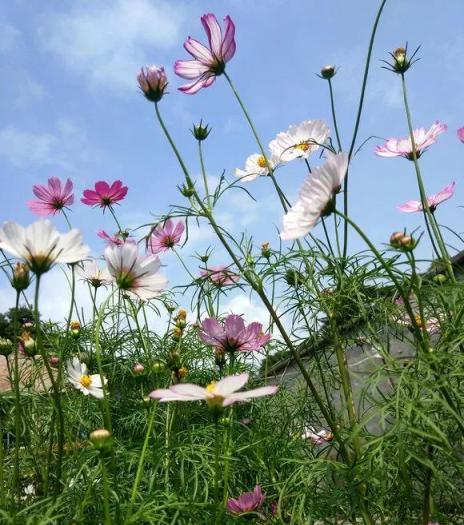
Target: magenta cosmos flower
x,y
217,394
460,133
247,502
234,335
51,198
105,195
220,275
434,200
403,147
165,237
207,64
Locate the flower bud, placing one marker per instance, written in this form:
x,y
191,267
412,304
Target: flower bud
x,y
182,314
201,132
138,369
6,346
147,400
219,357
27,344
152,82
176,333
75,328
100,438
182,372
327,72
440,278
54,360
204,258
187,191
395,239
225,421
407,243
158,367
20,280
265,250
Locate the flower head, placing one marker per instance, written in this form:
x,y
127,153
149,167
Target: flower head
x,y
318,438
246,502
81,380
165,237
403,147
401,61
51,198
152,82
299,141
233,335
460,133
217,394
327,72
200,131
105,195
40,245
220,275
315,195
92,274
433,201
135,274
256,165
207,64
117,239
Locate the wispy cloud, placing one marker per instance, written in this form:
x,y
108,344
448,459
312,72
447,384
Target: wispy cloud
x,y
107,44
65,147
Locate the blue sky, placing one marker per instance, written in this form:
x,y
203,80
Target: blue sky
x,y
70,105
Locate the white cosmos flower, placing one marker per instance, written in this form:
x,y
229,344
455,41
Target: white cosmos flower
x,y
41,245
316,193
92,274
255,166
135,274
81,380
300,140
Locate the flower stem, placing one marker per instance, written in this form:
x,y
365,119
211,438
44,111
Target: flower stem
x,y
17,401
358,120
203,172
334,117
115,218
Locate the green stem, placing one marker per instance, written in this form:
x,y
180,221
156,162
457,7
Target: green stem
x,y
115,218
203,172
17,402
334,118
183,264
66,219
106,490
358,120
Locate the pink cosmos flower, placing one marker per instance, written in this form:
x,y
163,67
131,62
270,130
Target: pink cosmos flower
x,y
222,393
105,195
152,82
246,502
51,199
220,275
207,63
460,133
318,438
165,237
315,197
234,335
434,200
117,239
403,147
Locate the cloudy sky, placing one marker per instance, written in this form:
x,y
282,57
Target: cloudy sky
x,y
70,107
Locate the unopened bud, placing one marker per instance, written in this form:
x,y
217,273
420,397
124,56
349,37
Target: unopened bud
x,y
54,360
100,438
75,328
138,369
395,239
407,243
187,191
204,258
201,132
440,278
20,280
182,372
6,346
158,367
182,314
327,72
28,344
152,82
265,250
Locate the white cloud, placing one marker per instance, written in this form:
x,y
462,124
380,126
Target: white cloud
x,y
109,43
9,37
63,147
251,309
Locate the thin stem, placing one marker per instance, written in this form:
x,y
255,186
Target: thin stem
x,y
106,490
334,118
203,172
358,120
66,219
183,264
17,401
110,207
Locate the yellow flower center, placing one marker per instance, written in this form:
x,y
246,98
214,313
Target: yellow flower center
x,y
85,381
215,401
262,163
303,146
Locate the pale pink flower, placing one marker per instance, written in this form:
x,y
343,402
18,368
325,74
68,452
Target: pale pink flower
x,y
233,335
217,394
434,200
246,502
207,63
220,275
115,240
90,273
315,196
165,237
318,438
403,147
460,133
105,195
299,141
51,198
135,274
152,82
